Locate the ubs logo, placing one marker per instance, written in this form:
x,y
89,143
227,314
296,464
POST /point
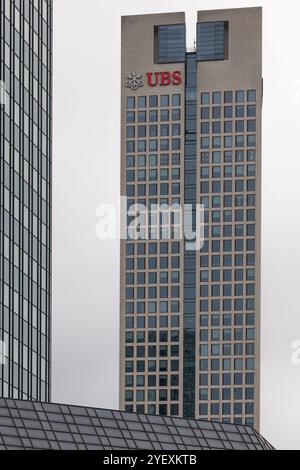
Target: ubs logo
x,y
153,79
135,81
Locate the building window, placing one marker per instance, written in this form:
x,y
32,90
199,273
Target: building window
x,y
240,96
130,102
212,41
169,43
142,101
153,101
251,96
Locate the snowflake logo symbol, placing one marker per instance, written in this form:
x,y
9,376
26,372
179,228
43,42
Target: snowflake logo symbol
x,y
135,80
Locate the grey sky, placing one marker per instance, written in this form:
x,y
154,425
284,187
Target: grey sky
x,y
86,174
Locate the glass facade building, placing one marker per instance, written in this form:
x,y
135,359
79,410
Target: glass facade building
x,y
44,426
191,133
25,198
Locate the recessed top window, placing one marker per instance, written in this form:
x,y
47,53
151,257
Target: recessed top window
x,y
212,40
170,43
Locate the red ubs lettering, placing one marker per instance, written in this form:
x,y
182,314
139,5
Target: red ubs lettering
x,y
164,78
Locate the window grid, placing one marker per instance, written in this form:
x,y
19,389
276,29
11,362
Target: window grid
x,y
25,243
227,322
28,425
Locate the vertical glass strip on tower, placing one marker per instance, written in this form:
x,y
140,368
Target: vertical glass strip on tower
x,y
25,198
190,275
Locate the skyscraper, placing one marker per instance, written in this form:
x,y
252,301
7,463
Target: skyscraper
x,y
25,196
191,134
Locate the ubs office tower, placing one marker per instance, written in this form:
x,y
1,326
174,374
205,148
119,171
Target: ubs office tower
x,y
191,134
25,197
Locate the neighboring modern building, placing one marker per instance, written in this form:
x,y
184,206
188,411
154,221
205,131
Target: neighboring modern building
x,y
191,133
29,425
25,198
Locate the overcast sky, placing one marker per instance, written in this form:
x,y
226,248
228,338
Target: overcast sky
x,y
86,174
